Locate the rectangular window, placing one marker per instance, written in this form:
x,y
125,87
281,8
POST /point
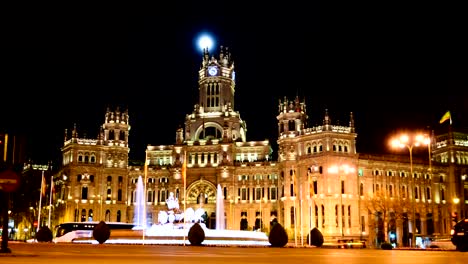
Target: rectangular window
x,y
343,216
273,193
243,194
315,187
363,224
258,194
342,187
349,216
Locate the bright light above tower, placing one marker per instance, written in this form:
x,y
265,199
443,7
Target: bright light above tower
x,y
205,41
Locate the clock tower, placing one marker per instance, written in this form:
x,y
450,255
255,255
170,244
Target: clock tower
x,y
214,116
216,81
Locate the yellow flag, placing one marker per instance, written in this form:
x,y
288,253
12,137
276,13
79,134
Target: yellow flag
x,y
43,186
446,117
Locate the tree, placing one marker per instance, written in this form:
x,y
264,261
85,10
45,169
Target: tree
x,y
196,235
383,206
101,232
278,236
44,234
315,237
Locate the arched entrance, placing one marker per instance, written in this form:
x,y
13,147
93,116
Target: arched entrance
x,y
202,194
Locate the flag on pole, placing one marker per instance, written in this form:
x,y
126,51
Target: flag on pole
x,y
43,186
52,187
446,117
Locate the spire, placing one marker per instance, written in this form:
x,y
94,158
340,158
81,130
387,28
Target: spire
x,y
74,132
206,56
326,121
297,106
101,134
351,121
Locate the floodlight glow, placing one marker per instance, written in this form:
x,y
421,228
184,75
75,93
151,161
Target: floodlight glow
x,y
205,41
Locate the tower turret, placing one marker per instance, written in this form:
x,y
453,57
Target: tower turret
x,y
292,117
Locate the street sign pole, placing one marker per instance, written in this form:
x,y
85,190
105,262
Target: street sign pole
x,y
9,182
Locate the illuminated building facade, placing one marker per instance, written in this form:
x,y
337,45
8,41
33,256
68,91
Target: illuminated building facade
x,y
319,179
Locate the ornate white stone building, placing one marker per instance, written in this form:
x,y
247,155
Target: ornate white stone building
x,y
319,179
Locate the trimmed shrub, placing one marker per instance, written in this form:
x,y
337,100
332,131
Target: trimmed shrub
x,y
386,246
44,234
196,235
316,237
101,232
278,236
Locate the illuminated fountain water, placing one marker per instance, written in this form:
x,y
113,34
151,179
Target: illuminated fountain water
x,y
139,212
174,224
220,209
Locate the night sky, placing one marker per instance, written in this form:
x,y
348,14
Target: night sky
x,y
393,67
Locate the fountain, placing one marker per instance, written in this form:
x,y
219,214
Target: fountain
x,y
139,212
219,209
174,224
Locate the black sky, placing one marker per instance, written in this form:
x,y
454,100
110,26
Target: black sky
x,y
394,67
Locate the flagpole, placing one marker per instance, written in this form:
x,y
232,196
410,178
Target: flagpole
x,y
184,178
144,197
295,220
40,203
50,199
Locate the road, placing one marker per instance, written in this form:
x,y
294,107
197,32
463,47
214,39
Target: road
x,y
49,253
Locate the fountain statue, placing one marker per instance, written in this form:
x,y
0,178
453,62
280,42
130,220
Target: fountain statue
x,y
174,215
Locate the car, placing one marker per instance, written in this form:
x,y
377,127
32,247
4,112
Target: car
x,y
442,243
459,235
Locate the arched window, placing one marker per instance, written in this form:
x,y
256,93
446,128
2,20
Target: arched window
x,y
119,216
90,215
108,215
244,224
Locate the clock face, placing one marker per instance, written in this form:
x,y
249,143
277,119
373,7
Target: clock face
x,y
212,70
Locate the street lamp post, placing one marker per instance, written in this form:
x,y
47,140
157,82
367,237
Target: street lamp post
x,y
405,141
